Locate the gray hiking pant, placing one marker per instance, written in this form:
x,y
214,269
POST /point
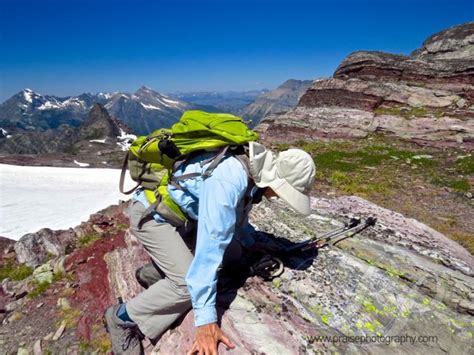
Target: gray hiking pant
x,y
159,306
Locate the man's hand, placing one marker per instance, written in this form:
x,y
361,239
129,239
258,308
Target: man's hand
x,y
207,340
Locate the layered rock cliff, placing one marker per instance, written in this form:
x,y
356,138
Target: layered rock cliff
x,y
427,96
375,291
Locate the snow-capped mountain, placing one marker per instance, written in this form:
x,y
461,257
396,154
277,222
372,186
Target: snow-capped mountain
x,y
143,111
99,141
29,110
146,109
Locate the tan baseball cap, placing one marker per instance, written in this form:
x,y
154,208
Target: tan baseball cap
x,y
290,174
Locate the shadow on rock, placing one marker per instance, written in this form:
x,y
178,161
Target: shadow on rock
x,y
234,277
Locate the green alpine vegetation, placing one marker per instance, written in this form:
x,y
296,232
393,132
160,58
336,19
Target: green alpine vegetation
x,y
15,271
426,183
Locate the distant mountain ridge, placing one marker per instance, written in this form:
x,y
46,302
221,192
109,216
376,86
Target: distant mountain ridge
x,y
30,110
98,141
143,111
146,109
226,101
280,100
32,123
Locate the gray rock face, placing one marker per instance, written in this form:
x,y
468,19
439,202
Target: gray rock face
x,y
99,125
312,123
33,249
282,99
38,142
399,278
454,43
428,96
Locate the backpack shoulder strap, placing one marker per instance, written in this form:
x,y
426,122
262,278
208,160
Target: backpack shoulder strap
x,y
215,160
122,177
243,158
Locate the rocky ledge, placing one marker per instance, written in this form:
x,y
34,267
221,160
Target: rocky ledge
x,y
427,96
399,287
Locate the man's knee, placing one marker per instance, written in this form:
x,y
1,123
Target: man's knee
x,y
181,289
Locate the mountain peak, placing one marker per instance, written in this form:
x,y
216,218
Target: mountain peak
x,y
98,109
28,94
99,124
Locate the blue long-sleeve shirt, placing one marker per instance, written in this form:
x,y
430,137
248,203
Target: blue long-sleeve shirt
x,y
216,202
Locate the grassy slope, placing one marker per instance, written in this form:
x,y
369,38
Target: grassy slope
x,y
426,183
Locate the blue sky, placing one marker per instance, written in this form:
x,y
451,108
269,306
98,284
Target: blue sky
x,y
70,46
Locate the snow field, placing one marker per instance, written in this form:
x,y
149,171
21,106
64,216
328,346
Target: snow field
x,y
32,198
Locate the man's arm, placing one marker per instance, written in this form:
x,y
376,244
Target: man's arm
x,y
218,202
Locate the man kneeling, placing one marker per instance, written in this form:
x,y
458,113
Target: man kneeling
x,y
179,279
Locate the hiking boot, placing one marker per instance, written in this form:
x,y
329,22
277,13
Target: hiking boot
x,y
125,336
147,275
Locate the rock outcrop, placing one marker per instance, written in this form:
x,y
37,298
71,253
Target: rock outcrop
x,y
397,280
427,96
99,125
391,280
34,249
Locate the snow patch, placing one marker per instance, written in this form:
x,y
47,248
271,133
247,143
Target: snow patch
x,y
5,133
82,165
125,140
105,95
169,102
73,101
150,107
28,95
173,102
98,140
48,105
51,105
40,193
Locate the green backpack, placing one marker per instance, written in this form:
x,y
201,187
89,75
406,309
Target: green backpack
x,y
152,159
